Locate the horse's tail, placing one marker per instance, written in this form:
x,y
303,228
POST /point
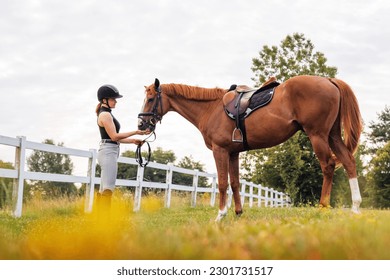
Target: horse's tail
x,y
350,116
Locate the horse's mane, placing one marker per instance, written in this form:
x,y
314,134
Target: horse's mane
x,y
193,92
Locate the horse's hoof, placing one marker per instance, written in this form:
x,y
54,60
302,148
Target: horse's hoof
x,y
221,214
325,207
355,210
239,213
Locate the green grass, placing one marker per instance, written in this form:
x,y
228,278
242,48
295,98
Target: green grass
x,y
61,230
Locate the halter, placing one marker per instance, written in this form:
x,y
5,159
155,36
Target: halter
x,y
154,115
151,125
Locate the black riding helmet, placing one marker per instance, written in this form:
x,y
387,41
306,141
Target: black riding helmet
x,y
108,91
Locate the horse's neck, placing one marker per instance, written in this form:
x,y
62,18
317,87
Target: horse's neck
x,y
192,110
195,111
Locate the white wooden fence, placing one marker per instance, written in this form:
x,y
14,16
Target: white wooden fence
x,y
262,195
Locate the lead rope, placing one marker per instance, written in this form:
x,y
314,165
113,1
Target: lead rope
x,y
138,152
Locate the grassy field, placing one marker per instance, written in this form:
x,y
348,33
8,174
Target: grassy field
x,y
61,230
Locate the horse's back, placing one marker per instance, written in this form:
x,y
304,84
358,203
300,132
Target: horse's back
x,y
307,83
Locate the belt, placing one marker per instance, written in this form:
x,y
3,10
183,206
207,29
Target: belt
x,y
109,141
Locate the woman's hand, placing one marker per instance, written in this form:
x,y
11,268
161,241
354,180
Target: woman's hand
x,y
142,132
137,141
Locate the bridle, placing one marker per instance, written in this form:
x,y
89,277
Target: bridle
x,y
149,123
154,116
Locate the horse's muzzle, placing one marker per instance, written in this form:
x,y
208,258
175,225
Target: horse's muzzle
x,y
146,121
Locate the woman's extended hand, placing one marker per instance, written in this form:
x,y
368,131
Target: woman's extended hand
x,y
143,132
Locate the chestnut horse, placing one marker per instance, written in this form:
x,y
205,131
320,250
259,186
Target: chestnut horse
x,y
321,107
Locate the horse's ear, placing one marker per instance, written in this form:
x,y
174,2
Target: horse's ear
x,y
145,87
156,83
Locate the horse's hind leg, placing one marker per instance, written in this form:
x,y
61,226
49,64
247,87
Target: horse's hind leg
x,y
324,155
346,158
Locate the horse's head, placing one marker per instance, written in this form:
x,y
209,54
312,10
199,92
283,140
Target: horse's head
x,y
152,109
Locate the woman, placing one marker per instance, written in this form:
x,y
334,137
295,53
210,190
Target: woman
x,y
110,138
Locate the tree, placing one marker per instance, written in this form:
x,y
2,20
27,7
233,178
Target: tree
x,y
295,56
292,166
159,156
379,178
47,162
125,171
379,133
189,163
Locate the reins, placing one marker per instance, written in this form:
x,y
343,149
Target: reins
x,y
138,152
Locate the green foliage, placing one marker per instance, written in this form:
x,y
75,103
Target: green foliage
x,y
54,163
159,156
379,178
125,171
290,167
182,179
295,56
379,133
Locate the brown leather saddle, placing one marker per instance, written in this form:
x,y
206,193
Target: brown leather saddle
x,y
240,101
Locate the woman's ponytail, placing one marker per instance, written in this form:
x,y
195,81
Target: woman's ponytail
x,y
98,108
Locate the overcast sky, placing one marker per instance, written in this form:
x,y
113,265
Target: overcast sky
x,y
55,54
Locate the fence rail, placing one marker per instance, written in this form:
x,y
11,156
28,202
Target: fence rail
x,y
264,196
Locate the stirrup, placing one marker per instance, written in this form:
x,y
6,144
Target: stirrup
x,y
237,138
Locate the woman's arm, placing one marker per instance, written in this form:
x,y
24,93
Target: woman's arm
x,y
105,119
131,141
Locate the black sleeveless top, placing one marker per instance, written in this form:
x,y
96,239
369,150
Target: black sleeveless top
x,y
103,132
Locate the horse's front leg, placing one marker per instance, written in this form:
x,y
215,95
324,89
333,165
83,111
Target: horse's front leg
x,y
235,182
222,162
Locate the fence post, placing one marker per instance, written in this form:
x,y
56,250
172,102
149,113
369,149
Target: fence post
x,y
281,199
90,187
272,197
243,185
214,191
195,186
138,189
230,196
168,191
251,195
259,189
266,196
18,187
